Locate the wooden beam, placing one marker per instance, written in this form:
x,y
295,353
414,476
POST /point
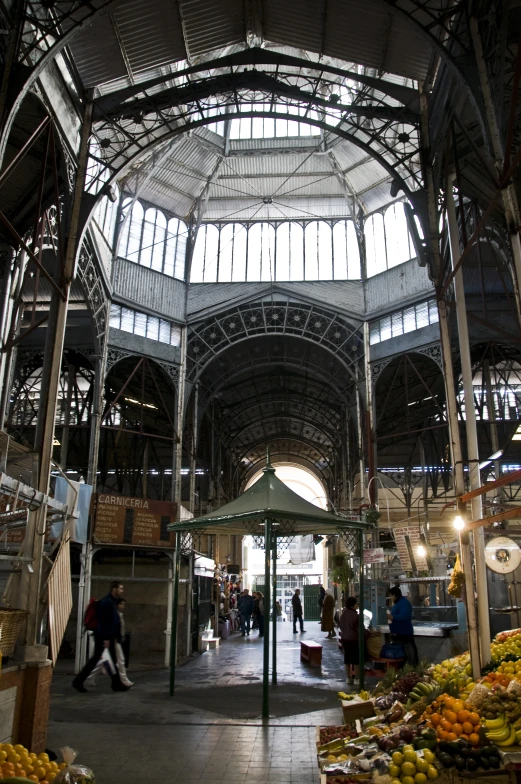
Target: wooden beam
x,y
515,511
505,480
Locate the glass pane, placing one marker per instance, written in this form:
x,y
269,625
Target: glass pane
x,y
409,319
311,258
153,328
339,251
164,331
397,324
282,263
422,315
127,320
235,127
354,269
325,255
281,128
147,244
197,269
180,256
385,328
159,242
257,130
115,316
268,252
433,312
239,253
140,324
226,253
396,235
374,332
175,335
296,258
134,236
211,256
245,128
254,252
171,246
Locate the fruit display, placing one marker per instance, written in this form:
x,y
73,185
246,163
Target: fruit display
x,y
17,762
461,755
410,767
337,732
506,644
452,718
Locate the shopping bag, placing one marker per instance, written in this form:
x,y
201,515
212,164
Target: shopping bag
x,y
373,644
108,664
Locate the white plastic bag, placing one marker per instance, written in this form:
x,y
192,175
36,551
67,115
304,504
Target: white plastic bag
x,y
73,774
108,664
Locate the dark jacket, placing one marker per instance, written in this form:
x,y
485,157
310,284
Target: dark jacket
x,y
258,607
245,605
108,622
349,625
297,606
402,617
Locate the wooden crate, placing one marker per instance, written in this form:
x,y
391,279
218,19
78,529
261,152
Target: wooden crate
x,y
357,709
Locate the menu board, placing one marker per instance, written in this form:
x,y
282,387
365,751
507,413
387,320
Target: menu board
x,y
409,536
120,519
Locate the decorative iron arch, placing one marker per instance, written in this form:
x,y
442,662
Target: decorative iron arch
x,y
315,324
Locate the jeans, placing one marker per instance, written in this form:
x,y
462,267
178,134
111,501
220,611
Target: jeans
x,y
411,651
93,661
245,623
301,621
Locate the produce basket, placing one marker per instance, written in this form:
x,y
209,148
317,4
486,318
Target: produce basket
x,y
10,624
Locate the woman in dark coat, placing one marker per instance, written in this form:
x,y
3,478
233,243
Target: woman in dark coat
x,y
328,615
349,640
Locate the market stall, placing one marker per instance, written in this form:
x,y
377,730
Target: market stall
x,y
431,723
273,514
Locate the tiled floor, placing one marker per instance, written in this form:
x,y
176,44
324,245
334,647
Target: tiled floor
x,y
212,729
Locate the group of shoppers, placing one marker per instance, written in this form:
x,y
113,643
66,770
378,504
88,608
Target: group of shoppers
x,y
251,606
108,630
400,626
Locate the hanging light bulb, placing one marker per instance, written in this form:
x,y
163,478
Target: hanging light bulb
x,y
459,523
421,551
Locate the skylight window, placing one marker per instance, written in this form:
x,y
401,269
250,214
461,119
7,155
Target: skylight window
x,y
269,127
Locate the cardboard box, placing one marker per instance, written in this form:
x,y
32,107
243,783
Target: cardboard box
x,y
357,709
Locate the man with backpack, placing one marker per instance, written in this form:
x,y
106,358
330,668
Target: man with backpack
x,y
107,631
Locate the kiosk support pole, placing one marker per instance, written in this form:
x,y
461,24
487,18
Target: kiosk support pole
x,y
361,627
175,607
267,602
274,613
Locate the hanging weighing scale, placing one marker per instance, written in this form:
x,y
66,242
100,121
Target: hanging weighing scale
x,y
502,556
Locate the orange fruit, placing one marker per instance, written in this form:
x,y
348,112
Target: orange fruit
x,y
13,757
442,735
463,715
446,725
474,739
435,719
465,737
43,757
452,736
467,728
474,718
3,756
449,701
33,777
457,729
449,715
40,772
457,706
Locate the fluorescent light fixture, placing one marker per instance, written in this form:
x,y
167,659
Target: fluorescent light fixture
x,y
459,523
496,455
484,464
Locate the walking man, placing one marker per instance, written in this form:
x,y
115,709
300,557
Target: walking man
x,y
106,634
297,611
245,605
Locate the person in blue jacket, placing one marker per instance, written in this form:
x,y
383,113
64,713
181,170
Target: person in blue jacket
x,y
400,626
106,634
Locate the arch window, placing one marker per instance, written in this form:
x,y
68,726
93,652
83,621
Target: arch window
x,y
287,251
151,239
387,240
151,327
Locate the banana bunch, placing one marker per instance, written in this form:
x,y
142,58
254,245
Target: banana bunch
x,y
343,696
420,691
501,732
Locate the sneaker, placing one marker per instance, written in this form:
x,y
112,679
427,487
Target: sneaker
x,y
295,631
302,631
